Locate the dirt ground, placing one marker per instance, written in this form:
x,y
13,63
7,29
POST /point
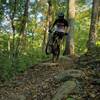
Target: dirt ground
x,y
44,81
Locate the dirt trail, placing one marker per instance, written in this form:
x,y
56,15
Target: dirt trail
x,y
40,82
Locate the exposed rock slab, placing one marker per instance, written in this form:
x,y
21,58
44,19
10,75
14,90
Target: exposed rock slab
x,y
71,73
64,90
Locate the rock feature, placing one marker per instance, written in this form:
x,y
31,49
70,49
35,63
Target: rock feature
x,y
64,90
71,73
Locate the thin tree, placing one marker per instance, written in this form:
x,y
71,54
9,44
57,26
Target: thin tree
x,y
47,24
94,17
23,25
13,6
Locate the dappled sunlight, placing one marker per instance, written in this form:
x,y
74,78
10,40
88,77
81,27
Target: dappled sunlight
x,y
98,43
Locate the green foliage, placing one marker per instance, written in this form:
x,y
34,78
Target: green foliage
x,y
98,43
70,99
5,67
32,54
7,71
82,25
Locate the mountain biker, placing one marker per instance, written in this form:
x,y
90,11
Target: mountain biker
x,y
61,26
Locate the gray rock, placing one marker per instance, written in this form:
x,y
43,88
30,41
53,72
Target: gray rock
x,y
67,74
64,90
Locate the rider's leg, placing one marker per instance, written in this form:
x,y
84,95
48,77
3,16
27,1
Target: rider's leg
x,y
54,36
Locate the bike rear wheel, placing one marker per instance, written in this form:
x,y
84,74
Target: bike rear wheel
x,y
48,48
56,51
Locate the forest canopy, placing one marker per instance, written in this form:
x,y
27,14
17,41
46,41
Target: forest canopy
x,y
24,26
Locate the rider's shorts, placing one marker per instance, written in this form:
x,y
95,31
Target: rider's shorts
x,y
59,34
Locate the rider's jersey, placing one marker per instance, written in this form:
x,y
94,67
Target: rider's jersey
x,y
60,25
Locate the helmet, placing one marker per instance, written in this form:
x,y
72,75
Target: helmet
x,y
61,15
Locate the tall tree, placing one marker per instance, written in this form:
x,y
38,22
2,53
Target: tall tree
x,y
69,47
13,28
49,13
94,17
48,23
24,17
23,26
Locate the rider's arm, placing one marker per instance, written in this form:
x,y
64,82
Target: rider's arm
x,y
55,22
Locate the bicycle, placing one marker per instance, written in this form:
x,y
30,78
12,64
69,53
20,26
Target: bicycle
x,y
53,45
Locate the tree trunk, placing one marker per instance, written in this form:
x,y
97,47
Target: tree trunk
x,y
23,26
48,24
12,51
24,18
49,13
92,34
66,51
44,39
69,48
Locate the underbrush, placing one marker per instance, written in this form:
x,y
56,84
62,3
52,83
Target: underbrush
x,y
21,63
